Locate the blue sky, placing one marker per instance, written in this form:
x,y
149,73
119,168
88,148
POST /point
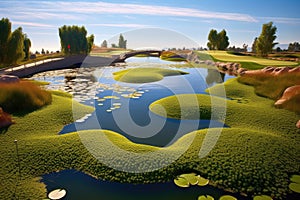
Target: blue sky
x,y
161,24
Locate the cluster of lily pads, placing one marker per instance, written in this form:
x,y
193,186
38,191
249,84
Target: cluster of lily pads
x,y
185,180
83,85
119,92
295,183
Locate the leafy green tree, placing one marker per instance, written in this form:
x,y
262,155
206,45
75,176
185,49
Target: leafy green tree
x,y
5,33
223,40
27,45
16,47
74,40
254,45
265,42
104,44
217,41
122,42
114,46
212,39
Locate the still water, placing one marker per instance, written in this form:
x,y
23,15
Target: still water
x,y
81,186
124,107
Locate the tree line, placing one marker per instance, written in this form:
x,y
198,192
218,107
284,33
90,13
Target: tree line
x,y
74,40
262,45
122,43
14,46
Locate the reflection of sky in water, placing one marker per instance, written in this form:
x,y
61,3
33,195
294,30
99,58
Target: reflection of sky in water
x,y
83,186
124,107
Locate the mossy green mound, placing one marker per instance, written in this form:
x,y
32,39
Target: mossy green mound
x,y
41,150
244,109
189,106
145,75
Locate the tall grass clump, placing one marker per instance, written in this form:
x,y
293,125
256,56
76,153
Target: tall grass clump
x,y
23,97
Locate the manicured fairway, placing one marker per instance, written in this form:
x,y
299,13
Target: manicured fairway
x,y
224,56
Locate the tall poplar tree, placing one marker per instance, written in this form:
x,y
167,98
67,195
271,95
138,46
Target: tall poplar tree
x,y
27,45
16,47
122,42
5,33
265,42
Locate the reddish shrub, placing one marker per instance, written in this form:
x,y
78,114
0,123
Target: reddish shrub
x,y
23,97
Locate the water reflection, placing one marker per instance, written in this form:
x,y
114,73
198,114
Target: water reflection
x,y
111,99
214,76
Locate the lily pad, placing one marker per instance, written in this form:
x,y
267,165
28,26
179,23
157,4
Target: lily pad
x,y
262,197
191,178
295,179
227,197
181,182
202,181
205,197
295,187
110,97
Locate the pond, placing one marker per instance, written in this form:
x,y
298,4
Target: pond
x,y
124,107
82,186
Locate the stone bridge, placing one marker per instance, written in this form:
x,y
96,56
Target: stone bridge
x,y
74,62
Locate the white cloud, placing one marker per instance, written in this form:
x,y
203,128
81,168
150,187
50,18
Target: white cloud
x,y
36,14
122,25
65,9
33,24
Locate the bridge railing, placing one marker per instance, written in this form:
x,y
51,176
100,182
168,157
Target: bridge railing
x,y
33,64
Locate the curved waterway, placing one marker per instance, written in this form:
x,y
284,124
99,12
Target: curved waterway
x,y
124,107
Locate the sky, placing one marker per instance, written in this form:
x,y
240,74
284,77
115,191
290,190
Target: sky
x,y
155,23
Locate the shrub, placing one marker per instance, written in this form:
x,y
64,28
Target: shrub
x,y
23,97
